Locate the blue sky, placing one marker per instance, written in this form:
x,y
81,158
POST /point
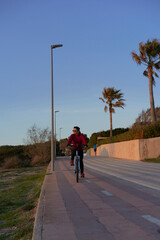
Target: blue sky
x,y
98,37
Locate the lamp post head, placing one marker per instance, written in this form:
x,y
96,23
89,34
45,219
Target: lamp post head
x,y
55,46
56,111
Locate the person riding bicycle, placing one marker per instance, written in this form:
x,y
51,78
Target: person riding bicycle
x,y
77,140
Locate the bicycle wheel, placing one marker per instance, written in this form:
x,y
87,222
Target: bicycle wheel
x,y
77,170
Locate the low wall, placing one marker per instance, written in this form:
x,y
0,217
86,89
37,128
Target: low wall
x,y
150,148
133,150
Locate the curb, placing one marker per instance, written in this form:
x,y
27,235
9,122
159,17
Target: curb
x,y
38,222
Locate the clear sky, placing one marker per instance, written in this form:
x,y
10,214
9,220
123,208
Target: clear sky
x,y
98,37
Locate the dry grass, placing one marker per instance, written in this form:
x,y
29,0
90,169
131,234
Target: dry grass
x,y
18,204
37,160
11,162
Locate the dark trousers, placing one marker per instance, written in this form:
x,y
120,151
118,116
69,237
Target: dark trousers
x,y
80,153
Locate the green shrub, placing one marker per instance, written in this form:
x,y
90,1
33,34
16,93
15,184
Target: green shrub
x,y
129,135
147,131
152,130
94,136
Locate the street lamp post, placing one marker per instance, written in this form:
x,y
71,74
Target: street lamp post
x,y
52,108
55,131
60,138
60,134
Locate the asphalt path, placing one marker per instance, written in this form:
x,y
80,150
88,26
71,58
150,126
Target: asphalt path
x,y
142,173
117,200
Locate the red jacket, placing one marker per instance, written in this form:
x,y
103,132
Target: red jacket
x,y
77,141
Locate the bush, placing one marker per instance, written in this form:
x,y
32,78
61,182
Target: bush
x,y
39,150
24,161
11,162
16,162
148,131
12,151
22,156
152,130
94,136
129,135
37,160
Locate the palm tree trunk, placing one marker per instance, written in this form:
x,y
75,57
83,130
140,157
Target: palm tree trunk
x,y
110,111
153,114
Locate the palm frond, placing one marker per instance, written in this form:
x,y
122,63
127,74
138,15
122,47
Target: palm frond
x,y
105,108
102,99
142,52
136,58
145,73
157,65
119,104
120,96
155,73
152,48
104,93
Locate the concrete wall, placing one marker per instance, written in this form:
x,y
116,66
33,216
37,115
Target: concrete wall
x,y
132,150
150,148
90,152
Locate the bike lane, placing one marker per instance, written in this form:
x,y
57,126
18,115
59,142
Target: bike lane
x,y
96,207
120,217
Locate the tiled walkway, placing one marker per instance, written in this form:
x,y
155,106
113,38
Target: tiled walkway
x,y
98,207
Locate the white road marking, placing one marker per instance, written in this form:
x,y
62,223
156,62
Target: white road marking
x,y
152,219
107,193
88,181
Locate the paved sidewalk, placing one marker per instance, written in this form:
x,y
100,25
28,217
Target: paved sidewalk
x,y
52,220
95,208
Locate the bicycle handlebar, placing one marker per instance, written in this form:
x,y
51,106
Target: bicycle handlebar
x,y
77,146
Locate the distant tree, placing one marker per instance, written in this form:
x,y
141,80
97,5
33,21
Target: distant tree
x,y
38,135
38,141
63,144
92,140
112,98
144,117
94,137
149,56
87,139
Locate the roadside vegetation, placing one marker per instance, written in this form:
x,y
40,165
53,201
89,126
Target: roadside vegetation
x,y
22,170
19,193
138,131
94,139
153,160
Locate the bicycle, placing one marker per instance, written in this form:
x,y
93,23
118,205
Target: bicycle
x,y
77,165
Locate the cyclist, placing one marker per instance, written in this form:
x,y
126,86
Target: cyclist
x,y
77,139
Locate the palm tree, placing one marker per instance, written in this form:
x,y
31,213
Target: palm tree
x,y
149,56
113,98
